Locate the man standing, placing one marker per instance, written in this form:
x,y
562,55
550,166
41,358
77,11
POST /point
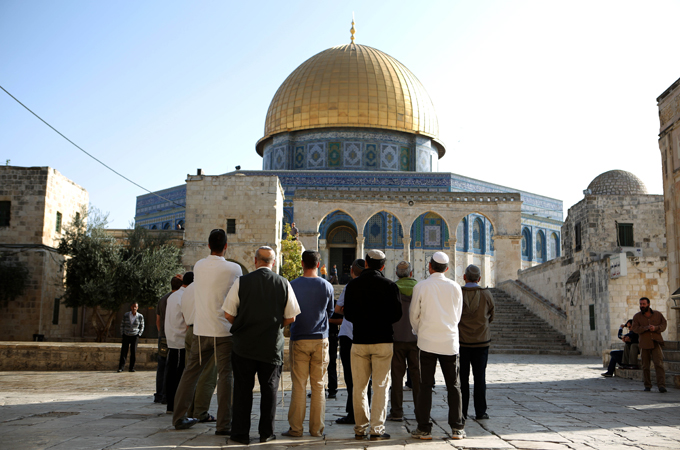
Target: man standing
x,y
334,274
372,305
205,386
159,396
649,325
475,338
435,313
405,347
131,328
213,277
309,347
345,340
175,330
259,306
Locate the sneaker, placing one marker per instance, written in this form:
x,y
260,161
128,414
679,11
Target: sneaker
x,y
608,374
407,387
379,437
419,434
458,434
346,420
394,419
662,390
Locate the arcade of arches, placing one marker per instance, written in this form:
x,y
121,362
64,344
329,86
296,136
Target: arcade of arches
x,y
343,225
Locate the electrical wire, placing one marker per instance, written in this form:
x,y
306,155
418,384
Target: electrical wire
x,y
88,154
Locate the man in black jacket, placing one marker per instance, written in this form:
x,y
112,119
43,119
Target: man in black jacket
x,y
372,305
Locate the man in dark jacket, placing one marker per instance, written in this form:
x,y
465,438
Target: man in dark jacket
x,y
475,338
405,346
372,305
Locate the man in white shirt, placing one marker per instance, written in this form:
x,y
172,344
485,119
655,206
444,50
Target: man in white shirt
x,y
436,307
213,277
259,306
175,332
205,387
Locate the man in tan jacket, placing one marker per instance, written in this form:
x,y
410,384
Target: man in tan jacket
x,y
475,338
649,325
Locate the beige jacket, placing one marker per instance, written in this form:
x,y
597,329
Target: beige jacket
x,y
478,310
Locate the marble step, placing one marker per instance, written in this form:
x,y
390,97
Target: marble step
x,y
533,351
672,378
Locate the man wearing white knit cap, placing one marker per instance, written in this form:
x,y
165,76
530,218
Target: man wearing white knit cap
x,y
372,305
436,308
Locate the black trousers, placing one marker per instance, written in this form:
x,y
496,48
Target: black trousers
x,y
346,359
129,342
616,358
268,375
174,368
160,375
450,368
476,357
332,364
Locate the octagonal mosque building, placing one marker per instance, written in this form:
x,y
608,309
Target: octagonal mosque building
x,y
352,139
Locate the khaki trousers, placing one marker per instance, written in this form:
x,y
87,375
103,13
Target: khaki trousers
x,y
371,361
656,355
205,387
308,360
630,354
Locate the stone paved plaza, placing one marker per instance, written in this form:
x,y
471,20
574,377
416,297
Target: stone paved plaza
x,y
535,402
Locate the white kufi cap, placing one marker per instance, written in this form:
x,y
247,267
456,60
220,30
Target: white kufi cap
x,y
440,257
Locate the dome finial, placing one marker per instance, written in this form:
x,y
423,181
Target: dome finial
x,y
352,30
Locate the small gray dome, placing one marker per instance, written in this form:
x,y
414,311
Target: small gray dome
x,y
617,182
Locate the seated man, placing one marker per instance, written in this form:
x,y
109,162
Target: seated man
x,y
624,357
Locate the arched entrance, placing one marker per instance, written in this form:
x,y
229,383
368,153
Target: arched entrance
x,y
341,242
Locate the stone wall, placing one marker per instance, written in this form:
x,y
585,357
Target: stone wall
x,y
57,356
37,194
255,203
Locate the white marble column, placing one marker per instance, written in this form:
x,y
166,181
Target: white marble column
x,y
360,246
407,248
323,251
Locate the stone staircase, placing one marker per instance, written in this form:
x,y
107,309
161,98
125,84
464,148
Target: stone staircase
x,y
516,330
671,363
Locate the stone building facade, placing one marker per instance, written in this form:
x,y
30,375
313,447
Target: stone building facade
x,y
669,145
250,209
613,253
36,203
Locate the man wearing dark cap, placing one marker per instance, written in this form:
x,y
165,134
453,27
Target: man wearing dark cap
x,y
475,338
372,305
405,347
436,308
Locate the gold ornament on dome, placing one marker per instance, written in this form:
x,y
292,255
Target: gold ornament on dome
x,y
352,86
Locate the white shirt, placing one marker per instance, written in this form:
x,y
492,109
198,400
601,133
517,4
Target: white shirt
x,y
346,327
188,304
436,307
175,326
213,277
232,301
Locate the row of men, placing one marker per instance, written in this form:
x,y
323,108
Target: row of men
x,y
233,325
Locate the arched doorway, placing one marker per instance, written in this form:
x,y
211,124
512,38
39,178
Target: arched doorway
x,y
341,242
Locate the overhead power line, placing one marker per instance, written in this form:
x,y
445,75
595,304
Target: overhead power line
x,y
88,154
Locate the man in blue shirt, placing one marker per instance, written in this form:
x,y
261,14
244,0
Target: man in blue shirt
x,y
309,347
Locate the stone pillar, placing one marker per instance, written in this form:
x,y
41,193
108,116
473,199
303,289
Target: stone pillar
x,y
452,259
508,250
323,250
486,271
407,248
360,245
310,240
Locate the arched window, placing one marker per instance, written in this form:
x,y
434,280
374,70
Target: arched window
x,y
375,230
491,237
540,246
526,244
154,227
166,226
460,235
554,246
478,235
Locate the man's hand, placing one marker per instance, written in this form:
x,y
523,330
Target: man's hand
x,y
652,328
229,317
626,339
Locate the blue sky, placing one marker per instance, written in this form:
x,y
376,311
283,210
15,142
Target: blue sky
x,y
539,96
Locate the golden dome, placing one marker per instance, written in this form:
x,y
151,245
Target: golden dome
x,y
352,86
